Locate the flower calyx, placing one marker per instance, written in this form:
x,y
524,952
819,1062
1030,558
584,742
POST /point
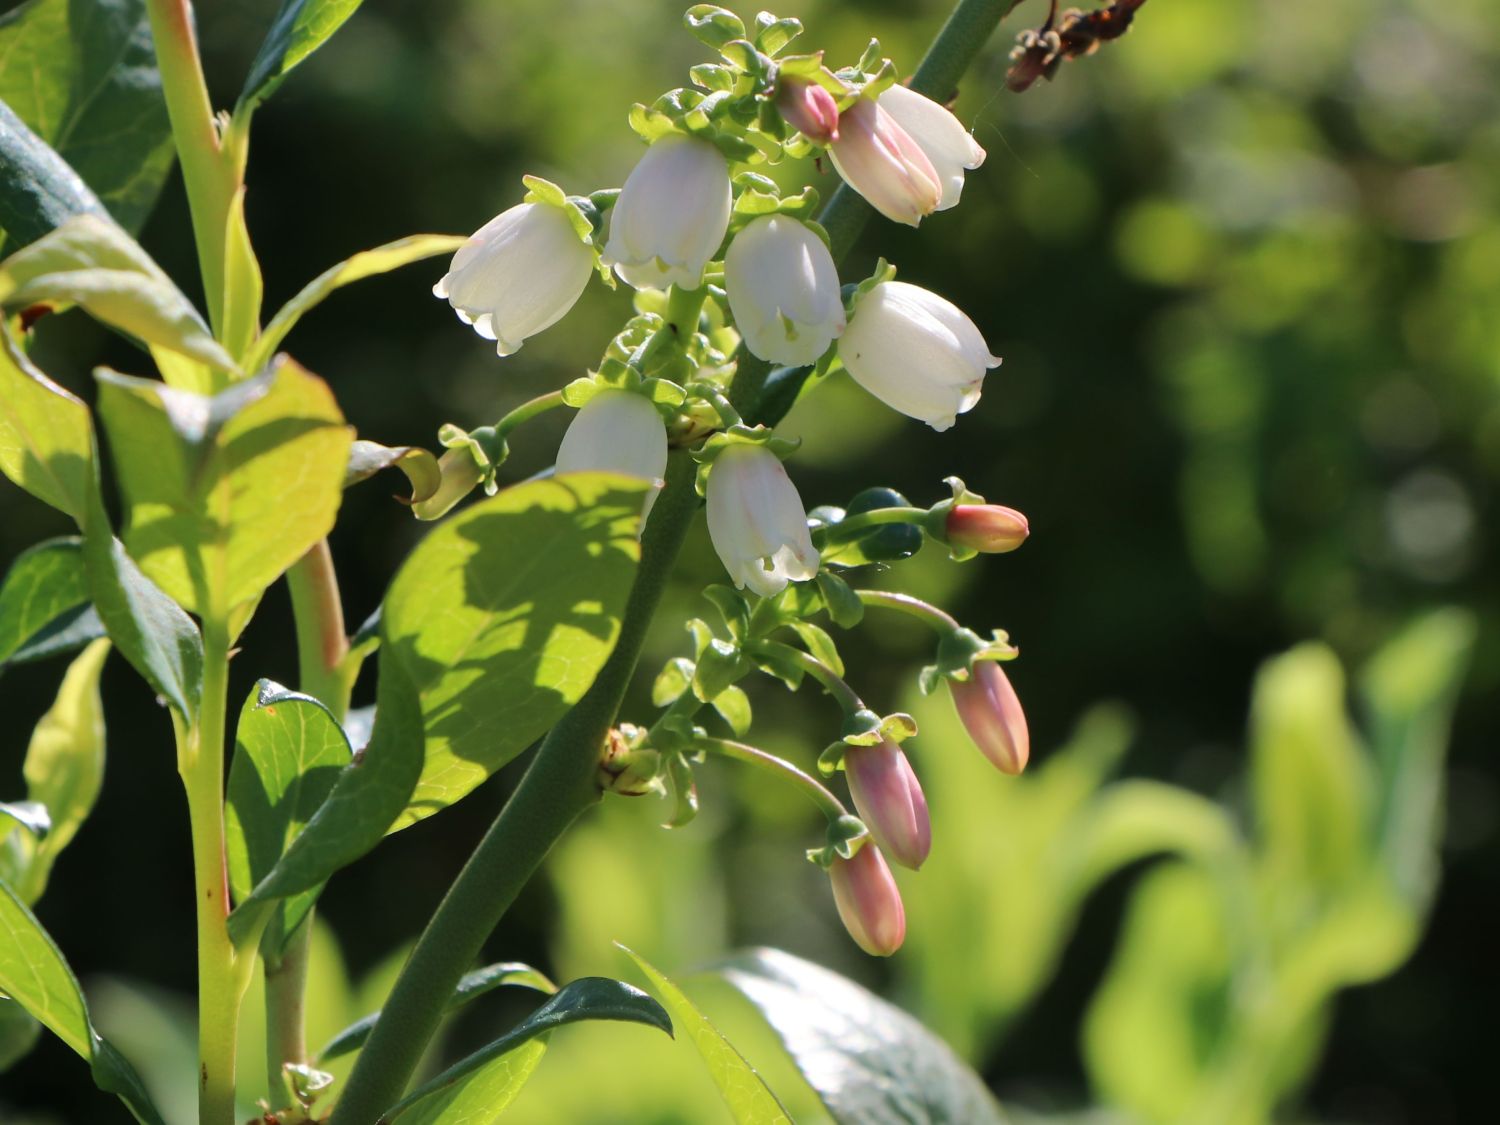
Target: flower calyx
x,y
959,651
471,459
846,836
865,728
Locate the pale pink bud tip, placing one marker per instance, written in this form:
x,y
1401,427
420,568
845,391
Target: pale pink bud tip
x,y
890,801
991,529
809,109
868,901
991,711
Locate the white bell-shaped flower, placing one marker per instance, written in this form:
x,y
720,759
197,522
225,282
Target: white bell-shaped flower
x,y
617,432
519,273
916,352
671,215
783,290
951,148
881,161
757,522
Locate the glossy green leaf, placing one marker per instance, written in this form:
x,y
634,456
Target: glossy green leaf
x,y
366,797
870,1062
820,645
83,77
288,754
475,1090
64,766
223,494
46,437
470,986
299,29
749,1098
44,603
503,615
1312,783
89,261
38,191
367,263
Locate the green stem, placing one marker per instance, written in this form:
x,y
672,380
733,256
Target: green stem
x,y
529,410
811,787
848,698
939,619
210,177
220,986
561,780
560,783
286,1028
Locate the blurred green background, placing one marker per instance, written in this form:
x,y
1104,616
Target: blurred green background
x,y
1244,269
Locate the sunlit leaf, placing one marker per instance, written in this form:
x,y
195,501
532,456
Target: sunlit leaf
x,y
46,436
288,754
743,1090
870,1062
299,29
366,458
503,615
89,261
65,765
223,494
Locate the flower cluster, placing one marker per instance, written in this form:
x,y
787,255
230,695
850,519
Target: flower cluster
x,y
729,270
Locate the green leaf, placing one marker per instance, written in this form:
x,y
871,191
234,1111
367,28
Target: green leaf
x,y
243,287
367,796
733,706
84,78
65,765
1312,783
211,516
714,26
868,1060
299,29
367,263
471,986
44,603
46,437
820,645
475,1090
89,261
502,617
288,754
38,191
749,1099
34,974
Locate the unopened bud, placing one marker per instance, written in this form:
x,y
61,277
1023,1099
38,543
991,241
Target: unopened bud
x,y
991,712
868,901
809,109
991,529
627,770
890,801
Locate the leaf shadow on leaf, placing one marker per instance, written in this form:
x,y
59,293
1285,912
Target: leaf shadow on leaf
x,y
492,691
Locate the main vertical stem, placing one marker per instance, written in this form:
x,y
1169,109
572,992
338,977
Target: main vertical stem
x,y
201,762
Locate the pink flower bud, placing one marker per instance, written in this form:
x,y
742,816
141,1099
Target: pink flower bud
x,y
991,529
991,711
868,901
881,161
890,801
809,109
